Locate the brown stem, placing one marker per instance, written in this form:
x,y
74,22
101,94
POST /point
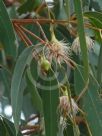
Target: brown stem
x,y
41,21
32,34
53,21
30,127
42,31
41,7
83,91
23,35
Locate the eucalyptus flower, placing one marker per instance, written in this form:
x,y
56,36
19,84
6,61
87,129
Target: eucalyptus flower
x,y
65,106
76,44
59,51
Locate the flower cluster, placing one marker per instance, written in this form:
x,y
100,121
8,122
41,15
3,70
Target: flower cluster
x,y
61,52
76,45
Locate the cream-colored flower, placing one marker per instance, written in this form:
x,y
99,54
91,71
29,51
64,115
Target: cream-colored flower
x,y
76,45
65,106
59,51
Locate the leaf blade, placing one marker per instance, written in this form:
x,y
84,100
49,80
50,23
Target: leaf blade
x,y
78,10
7,36
50,98
16,94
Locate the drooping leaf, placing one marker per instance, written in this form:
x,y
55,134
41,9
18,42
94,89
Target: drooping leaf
x,y
99,67
96,22
94,14
83,46
50,97
5,77
91,102
16,84
92,105
7,36
95,19
36,99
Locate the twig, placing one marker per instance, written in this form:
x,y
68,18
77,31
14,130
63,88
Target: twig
x,y
41,21
29,127
83,91
23,35
40,8
42,31
32,34
22,38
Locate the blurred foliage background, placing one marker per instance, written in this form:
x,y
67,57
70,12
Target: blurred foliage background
x,y
29,104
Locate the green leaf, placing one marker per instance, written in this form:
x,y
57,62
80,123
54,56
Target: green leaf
x,y
16,84
69,129
50,97
36,99
99,67
93,106
77,76
29,6
66,34
3,131
96,21
5,77
91,103
94,14
60,10
7,36
82,39
7,127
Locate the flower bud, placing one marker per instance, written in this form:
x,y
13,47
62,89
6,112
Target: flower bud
x,y
45,64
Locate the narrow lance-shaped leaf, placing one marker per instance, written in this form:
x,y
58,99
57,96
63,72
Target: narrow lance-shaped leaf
x,y
50,97
96,21
99,69
36,99
16,88
7,36
97,15
78,10
91,103
5,77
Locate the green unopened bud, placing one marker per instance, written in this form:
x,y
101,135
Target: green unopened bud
x,y
45,64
